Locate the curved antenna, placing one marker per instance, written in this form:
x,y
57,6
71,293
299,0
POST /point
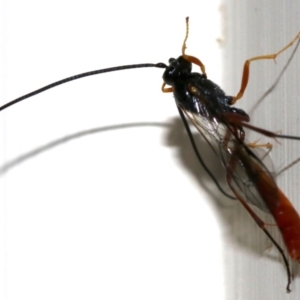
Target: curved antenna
x,y
78,76
186,36
191,59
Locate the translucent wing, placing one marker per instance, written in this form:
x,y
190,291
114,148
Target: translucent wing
x,y
223,143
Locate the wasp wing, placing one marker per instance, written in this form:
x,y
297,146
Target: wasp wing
x,y
223,142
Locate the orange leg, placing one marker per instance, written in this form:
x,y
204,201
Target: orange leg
x,y
246,69
196,61
256,145
166,90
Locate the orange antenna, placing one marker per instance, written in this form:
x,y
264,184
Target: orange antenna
x,y
192,59
186,36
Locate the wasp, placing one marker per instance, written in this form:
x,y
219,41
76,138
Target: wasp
x,y
203,104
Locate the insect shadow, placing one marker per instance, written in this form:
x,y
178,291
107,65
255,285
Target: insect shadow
x,y
6,167
229,211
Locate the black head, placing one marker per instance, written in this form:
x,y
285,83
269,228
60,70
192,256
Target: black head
x,y
176,68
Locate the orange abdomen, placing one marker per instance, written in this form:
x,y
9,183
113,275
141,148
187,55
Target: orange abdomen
x,y
288,222
284,213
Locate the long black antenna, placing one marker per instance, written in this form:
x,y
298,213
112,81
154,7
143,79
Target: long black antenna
x,y
90,73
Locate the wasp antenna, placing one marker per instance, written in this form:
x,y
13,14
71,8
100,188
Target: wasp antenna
x,y
186,36
78,76
191,59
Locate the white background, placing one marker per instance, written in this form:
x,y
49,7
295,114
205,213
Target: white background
x,y
94,209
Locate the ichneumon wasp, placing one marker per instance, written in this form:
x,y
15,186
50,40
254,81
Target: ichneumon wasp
x,y
205,105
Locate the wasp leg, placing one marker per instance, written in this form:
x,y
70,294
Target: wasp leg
x,y
246,69
237,120
268,133
166,90
256,145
